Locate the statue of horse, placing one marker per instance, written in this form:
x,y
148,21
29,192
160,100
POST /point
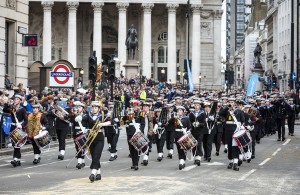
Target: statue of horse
x,y
131,42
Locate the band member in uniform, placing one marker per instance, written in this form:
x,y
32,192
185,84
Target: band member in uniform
x,y
281,112
96,121
182,124
37,121
79,129
219,131
293,111
113,130
170,130
229,112
19,120
223,106
160,122
197,119
145,120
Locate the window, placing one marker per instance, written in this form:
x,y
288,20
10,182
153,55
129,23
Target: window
x,y
33,54
53,53
161,55
163,36
166,55
238,68
178,52
239,26
59,53
41,53
152,55
240,2
240,9
240,17
238,76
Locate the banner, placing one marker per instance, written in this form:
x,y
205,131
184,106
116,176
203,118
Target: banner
x,y
6,124
191,87
252,85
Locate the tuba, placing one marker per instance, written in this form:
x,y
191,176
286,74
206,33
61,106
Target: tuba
x,y
60,112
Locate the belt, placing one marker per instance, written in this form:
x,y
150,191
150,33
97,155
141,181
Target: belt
x,y
14,124
230,122
180,130
77,128
219,123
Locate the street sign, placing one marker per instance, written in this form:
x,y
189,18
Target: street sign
x,y
61,76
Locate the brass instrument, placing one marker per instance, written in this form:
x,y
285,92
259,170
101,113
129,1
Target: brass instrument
x,y
60,112
150,122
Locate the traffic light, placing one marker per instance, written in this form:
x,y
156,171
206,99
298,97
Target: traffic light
x,y
111,70
274,80
226,75
92,68
99,73
104,73
30,40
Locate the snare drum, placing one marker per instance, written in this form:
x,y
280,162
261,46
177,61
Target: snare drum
x,y
139,141
43,139
242,138
187,142
18,137
81,142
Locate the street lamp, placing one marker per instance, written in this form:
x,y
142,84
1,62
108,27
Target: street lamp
x,y
199,81
81,72
163,71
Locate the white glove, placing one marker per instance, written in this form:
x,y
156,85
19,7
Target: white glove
x,y
78,118
100,125
25,103
159,124
238,124
43,128
19,126
116,120
196,124
211,118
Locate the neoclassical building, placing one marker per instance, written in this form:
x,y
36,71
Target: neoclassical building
x,y
71,30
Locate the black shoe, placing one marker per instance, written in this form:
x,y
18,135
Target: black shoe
x,y
209,159
181,166
112,158
240,162
98,177
136,168
159,158
82,165
289,133
249,160
235,167
14,163
60,156
283,138
292,134
129,155
217,153
252,156
225,150
92,177
230,166
18,163
278,139
78,166
149,150
197,162
145,162
36,161
170,156
258,142
205,158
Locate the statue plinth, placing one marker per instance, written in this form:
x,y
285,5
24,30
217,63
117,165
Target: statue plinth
x,y
131,69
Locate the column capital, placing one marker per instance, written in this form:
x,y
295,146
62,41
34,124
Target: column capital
x,y
97,5
47,5
218,14
147,7
172,7
72,5
122,6
196,8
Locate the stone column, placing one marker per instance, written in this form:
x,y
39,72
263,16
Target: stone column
x,y
97,32
122,33
47,5
217,78
72,33
147,7
196,43
172,42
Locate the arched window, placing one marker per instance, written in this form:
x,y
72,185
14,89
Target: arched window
x,y
161,55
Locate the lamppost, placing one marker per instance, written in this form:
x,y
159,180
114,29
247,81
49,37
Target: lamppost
x,y
283,86
199,81
179,73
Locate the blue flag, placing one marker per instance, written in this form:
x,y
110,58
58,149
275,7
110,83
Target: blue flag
x,y
6,124
252,85
191,87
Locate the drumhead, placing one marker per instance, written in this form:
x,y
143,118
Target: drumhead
x,y
239,133
41,134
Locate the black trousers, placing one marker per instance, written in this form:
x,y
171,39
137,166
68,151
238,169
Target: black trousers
x,y
291,124
36,149
218,140
181,153
170,139
233,151
61,136
197,151
17,151
133,153
281,127
253,137
51,127
268,126
96,149
160,142
112,138
207,143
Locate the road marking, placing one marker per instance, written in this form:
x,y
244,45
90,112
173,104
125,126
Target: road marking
x,y
189,168
276,151
286,142
213,163
120,170
46,164
264,162
4,165
247,175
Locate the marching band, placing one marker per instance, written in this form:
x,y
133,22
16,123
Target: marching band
x,y
193,126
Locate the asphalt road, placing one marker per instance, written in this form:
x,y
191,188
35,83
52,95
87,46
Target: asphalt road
x,y
275,170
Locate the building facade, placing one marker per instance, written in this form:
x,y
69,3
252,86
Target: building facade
x,y
13,55
72,30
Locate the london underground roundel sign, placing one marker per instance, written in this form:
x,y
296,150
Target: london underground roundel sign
x,y
61,76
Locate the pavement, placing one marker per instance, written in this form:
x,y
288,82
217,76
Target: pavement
x,y
275,170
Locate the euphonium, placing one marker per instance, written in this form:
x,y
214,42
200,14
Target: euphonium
x,y
60,112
